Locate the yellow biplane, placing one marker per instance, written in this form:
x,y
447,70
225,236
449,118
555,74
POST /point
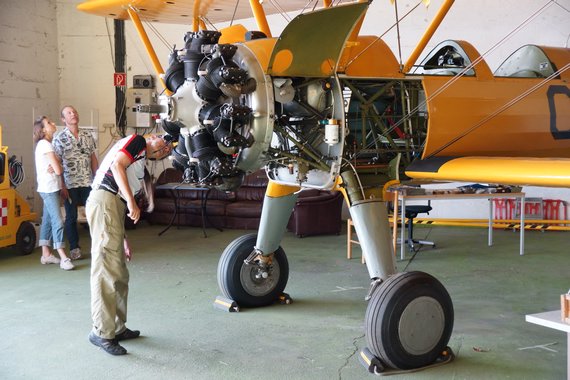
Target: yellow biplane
x,y
316,104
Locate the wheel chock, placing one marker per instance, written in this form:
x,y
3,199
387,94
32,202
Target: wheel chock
x,y
369,361
375,366
226,304
284,299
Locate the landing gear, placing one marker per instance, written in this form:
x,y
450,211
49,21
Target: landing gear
x,y
259,281
409,320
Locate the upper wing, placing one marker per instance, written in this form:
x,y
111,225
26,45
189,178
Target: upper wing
x,y
548,172
182,11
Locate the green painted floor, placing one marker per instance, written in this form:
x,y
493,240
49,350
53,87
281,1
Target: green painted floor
x,y
44,311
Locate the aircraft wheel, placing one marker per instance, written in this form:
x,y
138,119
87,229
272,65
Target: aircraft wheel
x,y
256,284
26,238
409,320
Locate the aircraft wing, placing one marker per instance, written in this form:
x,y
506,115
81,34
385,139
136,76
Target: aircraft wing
x,y
182,11
548,172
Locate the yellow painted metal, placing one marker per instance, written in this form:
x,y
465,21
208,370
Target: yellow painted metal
x,y
356,30
182,11
369,57
232,34
548,172
18,212
196,16
107,8
428,34
260,17
486,221
148,46
487,116
276,190
5,177
497,224
262,49
17,209
339,186
387,195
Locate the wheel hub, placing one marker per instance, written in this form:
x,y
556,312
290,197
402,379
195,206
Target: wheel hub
x,y
421,325
259,279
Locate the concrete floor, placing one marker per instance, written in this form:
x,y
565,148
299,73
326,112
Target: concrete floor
x,y
45,311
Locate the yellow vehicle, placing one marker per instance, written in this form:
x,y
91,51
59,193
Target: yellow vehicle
x,y
16,227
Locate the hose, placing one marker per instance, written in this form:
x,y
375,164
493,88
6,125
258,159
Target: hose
x,y
16,170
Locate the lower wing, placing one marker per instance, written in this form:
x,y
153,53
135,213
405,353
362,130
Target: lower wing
x,y
547,172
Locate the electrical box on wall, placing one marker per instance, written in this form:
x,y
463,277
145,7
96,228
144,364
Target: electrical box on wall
x,y
143,81
136,97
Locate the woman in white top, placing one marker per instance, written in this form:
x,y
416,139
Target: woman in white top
x,y
48,169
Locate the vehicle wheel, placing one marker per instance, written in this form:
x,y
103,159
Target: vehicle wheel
x,y
26,238
409,320
255,284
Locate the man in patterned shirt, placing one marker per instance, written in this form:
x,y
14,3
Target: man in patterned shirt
x,y
77,151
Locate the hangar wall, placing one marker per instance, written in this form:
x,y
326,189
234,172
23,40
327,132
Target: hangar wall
x,y
29,77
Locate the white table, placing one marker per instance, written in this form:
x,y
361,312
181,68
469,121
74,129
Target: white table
x,y
553,320
402,197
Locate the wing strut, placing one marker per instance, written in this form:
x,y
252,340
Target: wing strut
x,y
149,49
260,17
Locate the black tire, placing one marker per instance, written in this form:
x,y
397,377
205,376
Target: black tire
x,y
26,238
409,320
238,281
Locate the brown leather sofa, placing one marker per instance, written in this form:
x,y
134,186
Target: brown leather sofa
x,y
316,212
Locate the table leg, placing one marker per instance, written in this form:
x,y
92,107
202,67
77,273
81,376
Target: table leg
x,y
395,223
174,215
203,201
403,231
491,216
207,218
522,227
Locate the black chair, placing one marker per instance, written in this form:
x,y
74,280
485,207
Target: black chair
x,y
412,212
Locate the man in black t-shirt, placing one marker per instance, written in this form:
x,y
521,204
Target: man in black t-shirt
x,y
116,183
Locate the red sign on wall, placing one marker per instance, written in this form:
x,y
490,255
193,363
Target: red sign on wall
x,y
119,79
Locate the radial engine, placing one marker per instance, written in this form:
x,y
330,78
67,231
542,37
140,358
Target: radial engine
x,y
231,118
